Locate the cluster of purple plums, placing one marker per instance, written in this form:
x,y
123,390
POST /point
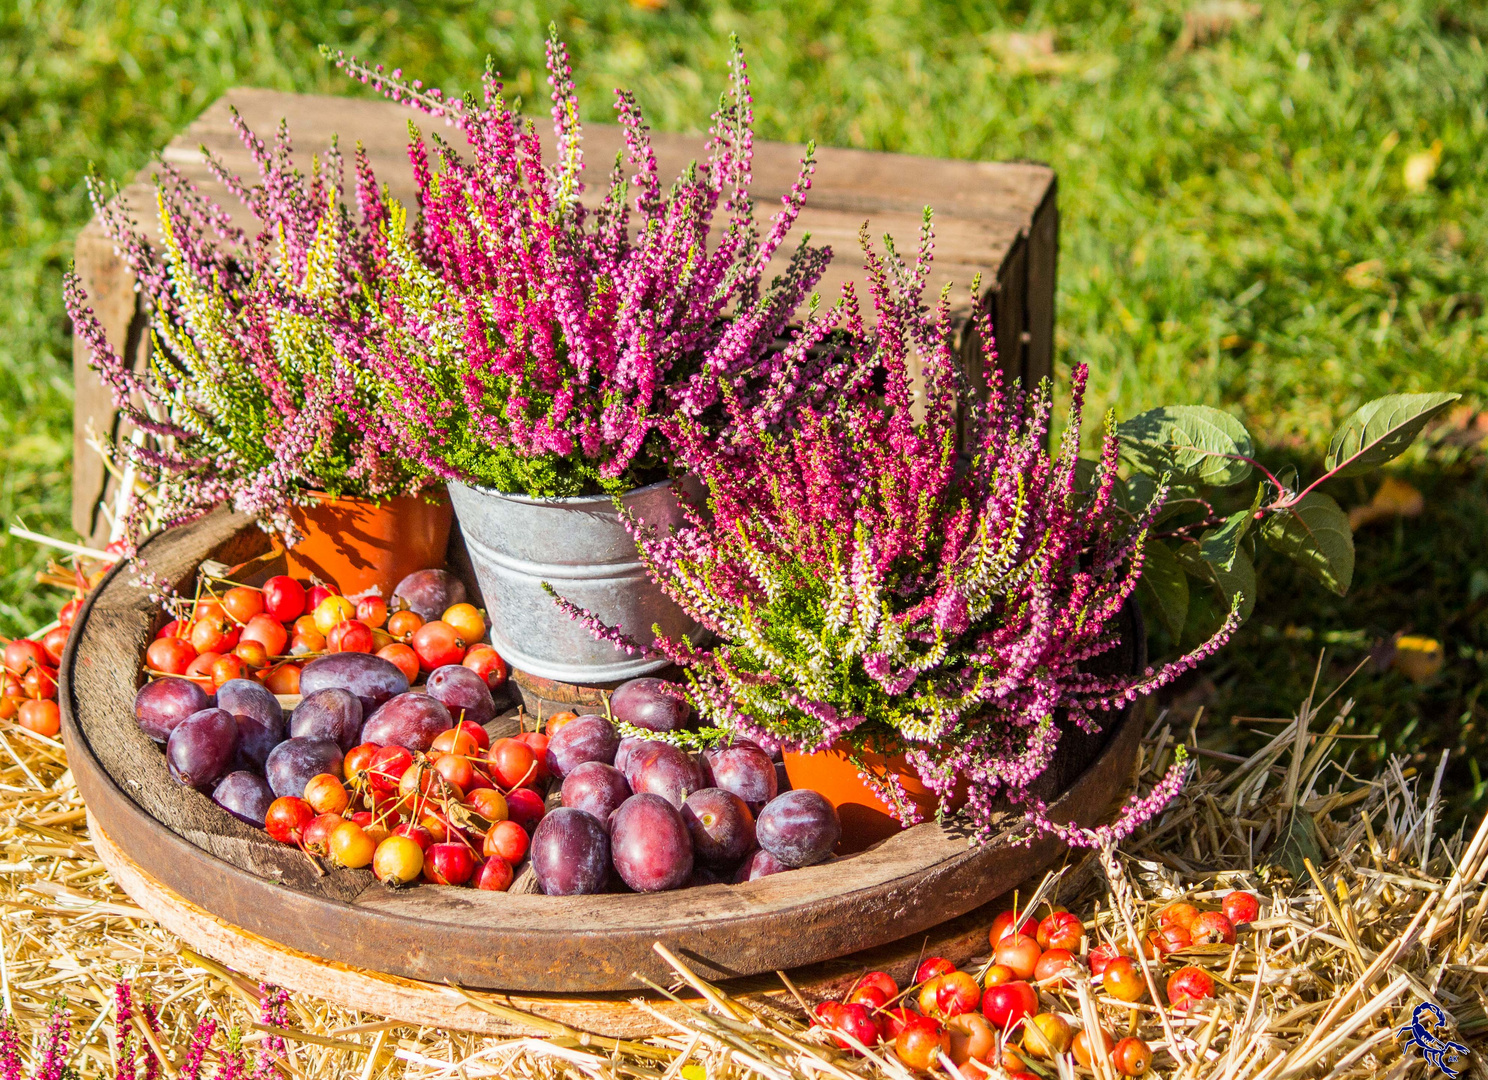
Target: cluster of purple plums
x,y
658,817
621,812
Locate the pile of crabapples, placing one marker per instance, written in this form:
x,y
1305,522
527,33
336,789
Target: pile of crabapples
x,y
458,814
269,633
29,694
1019,1006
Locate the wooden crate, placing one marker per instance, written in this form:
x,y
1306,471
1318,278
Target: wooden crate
x,y
996,219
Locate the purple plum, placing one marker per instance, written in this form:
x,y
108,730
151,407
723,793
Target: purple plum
x,y
293,762
200,748
570,853
428,593
260,720
650,845
463,692
757,864
410,720
799,828
369,677
652,704
747,771
662,769
589,738
161,705
245,796
721,826
596,788
332,713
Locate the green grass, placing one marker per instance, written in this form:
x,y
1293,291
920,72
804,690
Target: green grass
x,y
1214,197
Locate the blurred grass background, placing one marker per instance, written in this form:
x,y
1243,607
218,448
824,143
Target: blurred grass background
x,y
1281,208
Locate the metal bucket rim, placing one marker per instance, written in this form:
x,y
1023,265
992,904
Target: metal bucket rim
x,y
560,501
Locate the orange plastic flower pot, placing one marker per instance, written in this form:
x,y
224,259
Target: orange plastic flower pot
x,y
865,818
359,544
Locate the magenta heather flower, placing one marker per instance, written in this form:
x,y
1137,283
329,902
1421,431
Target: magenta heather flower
x,y
903,568
10,1050
124,1041
52,1062
201,1042
534,342
244,398
273,1012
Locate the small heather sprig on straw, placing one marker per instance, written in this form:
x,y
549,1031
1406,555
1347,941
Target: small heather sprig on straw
x,y
51,1054
273,1013
54,1045
10,1050
241,398
535,343
867,587
124,1041
201,1042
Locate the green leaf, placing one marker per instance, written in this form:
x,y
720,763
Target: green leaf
x,y
1288,477
1086,474
1164,585
1237,581
1191,441
1315,535
1140,489
1381,430
1218,546
1297,842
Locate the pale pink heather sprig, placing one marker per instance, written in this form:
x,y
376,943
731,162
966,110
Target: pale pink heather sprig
x,y
536,340
1138,811
51,1063
242,398
869,587
273,1013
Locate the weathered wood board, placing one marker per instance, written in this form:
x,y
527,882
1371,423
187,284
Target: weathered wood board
x,y
999,220
905,886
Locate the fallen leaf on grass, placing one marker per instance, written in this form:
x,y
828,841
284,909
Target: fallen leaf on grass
x,y
1213,20
1420,167
1419,658
1364,275
1035,54
1395,498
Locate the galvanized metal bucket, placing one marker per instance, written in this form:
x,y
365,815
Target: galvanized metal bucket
x,y
581,548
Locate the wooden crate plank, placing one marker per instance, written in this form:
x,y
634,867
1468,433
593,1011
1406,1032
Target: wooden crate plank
x,y
1043,267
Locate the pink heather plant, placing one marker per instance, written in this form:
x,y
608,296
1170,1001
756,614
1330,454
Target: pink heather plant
x,y
870,589
535,345
243,396
51,1055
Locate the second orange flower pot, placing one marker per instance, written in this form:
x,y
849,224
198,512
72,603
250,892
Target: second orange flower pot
x,y
865,817
360,544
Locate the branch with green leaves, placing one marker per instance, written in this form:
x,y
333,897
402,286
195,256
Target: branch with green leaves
x,y
1189,454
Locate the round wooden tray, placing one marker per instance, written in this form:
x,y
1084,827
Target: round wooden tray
x,y
182,843
617,1015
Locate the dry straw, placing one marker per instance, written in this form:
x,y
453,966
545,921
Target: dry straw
x,y
1367,912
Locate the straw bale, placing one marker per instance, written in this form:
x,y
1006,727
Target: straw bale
x,y
1367,912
